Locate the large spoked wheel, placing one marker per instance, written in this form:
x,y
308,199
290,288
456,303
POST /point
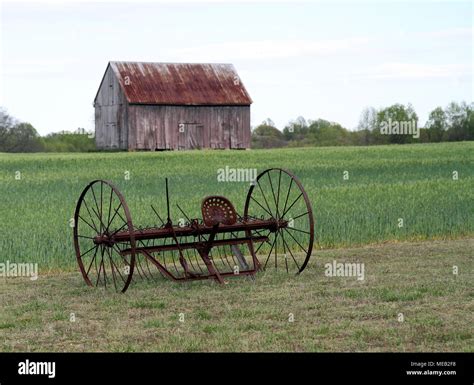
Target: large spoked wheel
x,y
102,212
277,193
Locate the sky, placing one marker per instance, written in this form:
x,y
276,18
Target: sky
x,y
322,59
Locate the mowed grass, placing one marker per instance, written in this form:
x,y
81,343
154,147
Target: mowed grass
x,y
416,280
386,183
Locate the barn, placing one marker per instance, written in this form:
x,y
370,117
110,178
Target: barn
x,y
171,106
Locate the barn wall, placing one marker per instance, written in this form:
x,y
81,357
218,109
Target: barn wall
x,y
158,127
111,114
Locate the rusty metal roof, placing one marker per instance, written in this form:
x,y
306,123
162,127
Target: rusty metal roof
x,y
181,83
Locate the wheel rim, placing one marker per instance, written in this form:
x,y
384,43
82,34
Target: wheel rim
x,y
277,193
102,211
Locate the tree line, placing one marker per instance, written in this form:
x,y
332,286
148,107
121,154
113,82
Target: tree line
x,y
396,124
18,136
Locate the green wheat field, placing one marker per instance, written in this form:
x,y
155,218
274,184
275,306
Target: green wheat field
x,y
409,268
385,183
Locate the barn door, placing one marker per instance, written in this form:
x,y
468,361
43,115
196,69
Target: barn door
x,y
226,135
190,135
111,137
230,137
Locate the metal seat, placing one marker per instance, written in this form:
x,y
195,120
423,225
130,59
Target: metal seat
x,y
218,210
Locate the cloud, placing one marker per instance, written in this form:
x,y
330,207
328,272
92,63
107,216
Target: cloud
x,y
269,49
39,67
400,70
449,33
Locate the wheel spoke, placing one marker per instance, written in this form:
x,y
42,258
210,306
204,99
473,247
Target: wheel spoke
x,y
110,207
289,250
273,193
264,198
301,231
269,213
284,252
95,262
102,226
124,220
92,260
257,231
118,230
100,264
120,253
287,196
88,251
118,270
278,193
103,269
296,200
101,196
96,205
299,216
87,223
83,236
91,217
276,248
291,235
112,268
269,254
262,243
113,217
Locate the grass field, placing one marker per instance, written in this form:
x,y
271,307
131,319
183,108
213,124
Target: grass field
x,y
410,299
413,182
330,313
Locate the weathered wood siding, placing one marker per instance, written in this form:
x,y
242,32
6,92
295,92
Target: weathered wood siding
x,y
186,127
111,110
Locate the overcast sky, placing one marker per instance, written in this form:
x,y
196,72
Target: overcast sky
x,y
318,60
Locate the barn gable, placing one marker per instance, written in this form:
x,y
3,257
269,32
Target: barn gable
x,y
111,113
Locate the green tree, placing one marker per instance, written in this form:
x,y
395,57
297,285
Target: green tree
x,y
6,124
398,117
69,142
17,137
266,135
296,129
460,121
436,125
324,133
366,127
24,138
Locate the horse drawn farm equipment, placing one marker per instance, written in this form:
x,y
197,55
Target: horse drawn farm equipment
x,y
276,229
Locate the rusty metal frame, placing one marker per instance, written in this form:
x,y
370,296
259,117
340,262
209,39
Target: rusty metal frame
x,y
106,239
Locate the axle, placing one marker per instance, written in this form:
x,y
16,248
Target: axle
x,y
196,230
196,245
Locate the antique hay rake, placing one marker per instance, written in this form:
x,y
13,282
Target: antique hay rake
x,y
276,229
